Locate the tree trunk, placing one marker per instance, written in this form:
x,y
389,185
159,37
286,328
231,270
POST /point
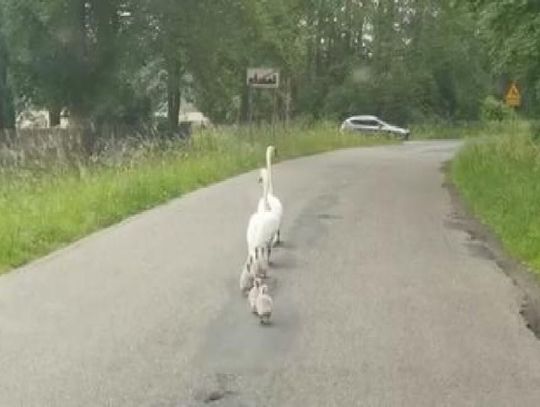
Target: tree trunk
x,y
7,109
107,26
54,116
244,104
173,95
288,100
79,122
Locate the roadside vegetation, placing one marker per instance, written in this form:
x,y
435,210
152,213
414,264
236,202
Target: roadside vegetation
x,y
498,175
46,204
468,130
495,118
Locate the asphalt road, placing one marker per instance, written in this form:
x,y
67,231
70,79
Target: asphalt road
x,y
379,301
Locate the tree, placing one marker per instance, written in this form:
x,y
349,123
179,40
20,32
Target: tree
x,y
404,60
116,61
65,52
7,111
512,33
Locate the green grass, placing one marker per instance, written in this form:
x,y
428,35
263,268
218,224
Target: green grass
x,y
499,177
43,210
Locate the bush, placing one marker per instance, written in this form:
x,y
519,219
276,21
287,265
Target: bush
x,y
495,110
535,131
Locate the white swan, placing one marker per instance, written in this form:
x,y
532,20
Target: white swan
x,y
262,227
273,202
264,305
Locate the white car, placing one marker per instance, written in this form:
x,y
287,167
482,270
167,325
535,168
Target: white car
x,y
372,124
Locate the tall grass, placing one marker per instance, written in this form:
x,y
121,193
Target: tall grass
x,y
499,178
43,207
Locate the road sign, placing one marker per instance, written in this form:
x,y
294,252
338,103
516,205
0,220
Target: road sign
x,y
263,78
513,97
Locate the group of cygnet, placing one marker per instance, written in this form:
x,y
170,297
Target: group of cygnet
x,y
263,233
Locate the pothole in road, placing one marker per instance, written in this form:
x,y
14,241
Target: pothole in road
x,y
216,395
214,389
210,396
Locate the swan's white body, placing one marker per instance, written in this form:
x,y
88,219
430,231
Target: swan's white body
x,y
261,230
274,204
253,294
264,304
263,226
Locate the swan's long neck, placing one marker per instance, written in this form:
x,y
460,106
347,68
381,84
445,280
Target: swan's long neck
x,y
265,193
269,170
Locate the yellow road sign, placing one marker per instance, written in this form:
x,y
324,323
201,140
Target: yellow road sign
x,y
513,97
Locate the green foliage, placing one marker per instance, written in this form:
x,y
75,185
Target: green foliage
x,y
510,29
56,59
535,131
467,129
7,110
496,110
127,107
422,60
407,61
114,61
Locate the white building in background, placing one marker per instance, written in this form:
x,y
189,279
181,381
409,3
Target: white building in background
x,y
188,114
32,119
38,119
197,119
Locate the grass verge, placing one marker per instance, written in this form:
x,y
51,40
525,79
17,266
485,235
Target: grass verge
x,y
498,178
42,210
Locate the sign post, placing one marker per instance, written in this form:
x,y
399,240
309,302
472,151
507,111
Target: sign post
x,y
265,78
513,97
262,78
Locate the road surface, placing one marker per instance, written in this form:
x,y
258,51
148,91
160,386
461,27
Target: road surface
x,y
379,301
